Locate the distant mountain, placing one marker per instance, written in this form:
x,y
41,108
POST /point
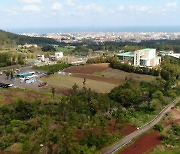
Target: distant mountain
x,y
11,38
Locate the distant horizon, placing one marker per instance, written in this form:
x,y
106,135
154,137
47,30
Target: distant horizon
x,y
76,29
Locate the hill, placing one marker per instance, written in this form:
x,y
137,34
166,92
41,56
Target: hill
x,y
11,38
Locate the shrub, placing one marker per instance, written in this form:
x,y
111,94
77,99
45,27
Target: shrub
x,y
158,127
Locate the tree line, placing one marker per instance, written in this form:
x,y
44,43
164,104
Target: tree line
x,y
8,59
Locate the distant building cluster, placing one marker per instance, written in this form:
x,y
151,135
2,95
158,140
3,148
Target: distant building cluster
x,y
52,59
101,37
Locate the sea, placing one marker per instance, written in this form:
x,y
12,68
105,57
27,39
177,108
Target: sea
x,y
168,29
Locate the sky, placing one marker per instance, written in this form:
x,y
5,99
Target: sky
x,y
88,13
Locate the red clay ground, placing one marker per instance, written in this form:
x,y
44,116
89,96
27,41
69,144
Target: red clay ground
x,y
97,78
87,69
148,141
124,129
127,129
112,127
143,144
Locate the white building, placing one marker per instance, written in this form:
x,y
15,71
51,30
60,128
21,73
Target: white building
x,y
144,58
41,58
58,55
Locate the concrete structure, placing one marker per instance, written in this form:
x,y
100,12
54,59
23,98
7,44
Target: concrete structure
x,y
23,75
58,55
41,58
169,53
175,55
144,58
28,45
164,53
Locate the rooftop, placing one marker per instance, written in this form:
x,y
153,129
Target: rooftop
x,y
146,49
126,54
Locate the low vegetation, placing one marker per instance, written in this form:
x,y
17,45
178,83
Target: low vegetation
x,y
10,38
56,123
172,136
51,69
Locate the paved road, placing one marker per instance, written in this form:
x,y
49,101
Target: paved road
x,y
143,129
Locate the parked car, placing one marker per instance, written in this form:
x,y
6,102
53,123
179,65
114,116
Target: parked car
x,y
4,85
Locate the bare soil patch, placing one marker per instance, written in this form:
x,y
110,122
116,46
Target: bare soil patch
x,y
98,78
87,69
123,129
118,74
128,129
143,144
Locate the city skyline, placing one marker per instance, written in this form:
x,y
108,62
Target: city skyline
x,y
79,13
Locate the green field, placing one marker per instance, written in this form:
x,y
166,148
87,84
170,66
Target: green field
x,y
171,151
64,50
55,67
69,81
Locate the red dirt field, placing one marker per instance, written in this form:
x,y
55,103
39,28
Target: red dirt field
x,y
97,78
87,69
112,127
124,129
148,141
128,129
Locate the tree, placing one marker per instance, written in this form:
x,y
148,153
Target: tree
x,y
8,74
11,74
84,82
53,92
75,87
47,48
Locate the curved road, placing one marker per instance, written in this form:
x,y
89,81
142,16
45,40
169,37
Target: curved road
x,y
142,129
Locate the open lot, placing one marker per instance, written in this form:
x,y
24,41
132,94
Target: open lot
x,y
118,74
100,78
69,81
104,71
88,69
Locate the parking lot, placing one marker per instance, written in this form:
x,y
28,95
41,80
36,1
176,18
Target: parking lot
x,y
16,82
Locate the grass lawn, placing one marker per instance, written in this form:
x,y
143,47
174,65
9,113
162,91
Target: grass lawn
x,y
170,151
63,49
69,81
119,74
